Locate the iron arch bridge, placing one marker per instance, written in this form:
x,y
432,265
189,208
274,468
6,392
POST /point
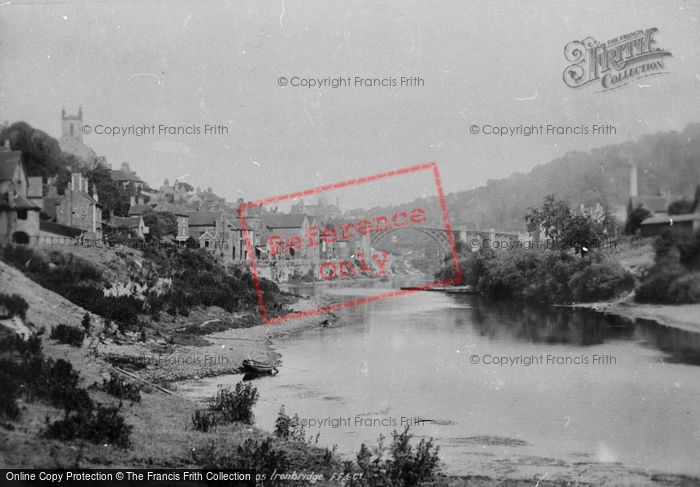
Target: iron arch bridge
x,y
471,237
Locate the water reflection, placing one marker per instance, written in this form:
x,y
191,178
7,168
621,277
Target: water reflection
x,y
680,346
538,324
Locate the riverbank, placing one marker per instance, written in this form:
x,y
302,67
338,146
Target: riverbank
x,y
680,316
163,435
214,352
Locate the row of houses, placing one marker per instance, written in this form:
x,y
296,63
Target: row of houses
x,y
28,217
222,233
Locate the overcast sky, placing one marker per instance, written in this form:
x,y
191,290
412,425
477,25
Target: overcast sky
x,y
184,63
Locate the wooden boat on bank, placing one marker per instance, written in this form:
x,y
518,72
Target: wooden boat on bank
x,y
260,368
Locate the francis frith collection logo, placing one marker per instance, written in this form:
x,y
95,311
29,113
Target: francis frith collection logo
x,y
614,63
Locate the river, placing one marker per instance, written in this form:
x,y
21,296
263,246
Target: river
x,y
573,386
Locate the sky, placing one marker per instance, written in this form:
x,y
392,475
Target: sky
x,y
190,64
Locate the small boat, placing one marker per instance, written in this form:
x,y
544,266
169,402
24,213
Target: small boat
x,y
260,368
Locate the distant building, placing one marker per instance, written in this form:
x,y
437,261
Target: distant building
x,y
322,211
128,227
126,177
660,222
78,209
201,222
19,216
286,226
183,223
71,140
656,225
655,205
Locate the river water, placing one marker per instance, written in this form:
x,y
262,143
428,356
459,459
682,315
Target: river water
x,y
575,387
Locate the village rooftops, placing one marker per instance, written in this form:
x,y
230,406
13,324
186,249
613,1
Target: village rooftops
x,y
129,222
125,177
282,220
8,163
138,209
203,218
17,203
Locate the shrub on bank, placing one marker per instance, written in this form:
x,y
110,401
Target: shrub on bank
x,y
68,335
539,276
26,373
289,428
14,304
685,289
119,387
204,421
101,425
259,455
235,405
600,282
10,387
399,464
674,277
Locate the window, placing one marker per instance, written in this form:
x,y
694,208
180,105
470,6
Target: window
x,y
21,214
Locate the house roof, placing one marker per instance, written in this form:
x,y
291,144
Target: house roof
x,y
122,176
203,218
655,204
125,222
138,209
207,235
8,164
656,220
85,195
283,220
17,203
58,229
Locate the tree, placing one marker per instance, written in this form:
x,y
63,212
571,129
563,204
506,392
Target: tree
x,y
160,223
635,219
680,207
552,218
581,234
112,197
41,153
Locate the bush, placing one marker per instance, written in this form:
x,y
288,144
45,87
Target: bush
x,y
673,278
685,289
289,428
259,455
101,425
10,388
204,421
117,386
69,335
15,304
235,405
401,464
86,323
598,282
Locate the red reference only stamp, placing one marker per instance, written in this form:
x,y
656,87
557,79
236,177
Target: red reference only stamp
x,y
314,242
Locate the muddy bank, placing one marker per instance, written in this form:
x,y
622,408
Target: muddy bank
x,y
194,355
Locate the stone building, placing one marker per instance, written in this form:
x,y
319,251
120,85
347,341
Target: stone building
x,y
19,216
78,209
126,177
71,140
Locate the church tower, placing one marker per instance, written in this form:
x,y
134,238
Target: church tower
x,y
72,125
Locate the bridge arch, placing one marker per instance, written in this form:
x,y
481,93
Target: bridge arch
x,y
437,235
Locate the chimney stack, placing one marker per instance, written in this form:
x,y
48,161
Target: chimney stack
x,y
633,179
76,181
